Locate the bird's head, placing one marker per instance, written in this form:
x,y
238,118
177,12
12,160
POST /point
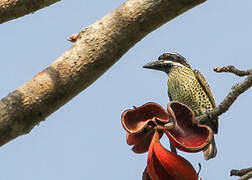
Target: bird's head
x,y
167,61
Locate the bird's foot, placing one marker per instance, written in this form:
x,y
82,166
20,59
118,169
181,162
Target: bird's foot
x,y
208,113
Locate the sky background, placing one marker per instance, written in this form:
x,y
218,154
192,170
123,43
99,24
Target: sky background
x,y
84,139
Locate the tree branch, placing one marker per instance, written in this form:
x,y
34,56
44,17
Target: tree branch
x,y
243,173
236,90
12,9
233,70
96,49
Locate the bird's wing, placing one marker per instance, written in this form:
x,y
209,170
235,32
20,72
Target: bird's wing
x,y
205,86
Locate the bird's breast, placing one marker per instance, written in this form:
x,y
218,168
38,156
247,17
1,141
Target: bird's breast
x,y
185,88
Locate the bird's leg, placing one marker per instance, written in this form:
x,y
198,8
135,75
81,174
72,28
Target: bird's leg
x,y
208,114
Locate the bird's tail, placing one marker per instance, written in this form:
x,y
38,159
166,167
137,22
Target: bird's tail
x,y
210,150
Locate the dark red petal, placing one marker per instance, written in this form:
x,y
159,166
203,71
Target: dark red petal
x,y
140,124
135,120
140,141
130,138
165,165
187,135
146,175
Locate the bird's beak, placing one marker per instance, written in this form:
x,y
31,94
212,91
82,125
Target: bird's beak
x,y
158,65
153,65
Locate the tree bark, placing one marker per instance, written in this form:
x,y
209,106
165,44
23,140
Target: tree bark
x,y
11,9
96,49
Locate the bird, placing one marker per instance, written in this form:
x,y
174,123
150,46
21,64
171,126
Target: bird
x,y
189,87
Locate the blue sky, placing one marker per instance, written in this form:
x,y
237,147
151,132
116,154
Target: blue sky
x,y
84,139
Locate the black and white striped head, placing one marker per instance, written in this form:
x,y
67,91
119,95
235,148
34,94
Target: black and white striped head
x,y
166,61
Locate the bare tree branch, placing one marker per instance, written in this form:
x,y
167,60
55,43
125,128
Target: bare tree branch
x,y
11,9
236,90
96,49
243,173
232,69
246,176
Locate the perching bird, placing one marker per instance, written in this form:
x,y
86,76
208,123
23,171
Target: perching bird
x,y
188,87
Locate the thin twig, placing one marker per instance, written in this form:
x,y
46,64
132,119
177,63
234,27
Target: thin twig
x,y
199,170
173,149
246,176
243,173
236,90
233,70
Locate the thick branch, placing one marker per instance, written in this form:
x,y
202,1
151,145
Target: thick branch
x,y
243,173
11,9
96,49
236,90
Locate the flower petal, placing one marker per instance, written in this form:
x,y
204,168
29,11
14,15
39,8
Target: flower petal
x,y
140,141
140,124
165,165
187,135
146,175
135,120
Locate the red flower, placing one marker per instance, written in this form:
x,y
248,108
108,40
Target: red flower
x,y
146,124
165,165
140,124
